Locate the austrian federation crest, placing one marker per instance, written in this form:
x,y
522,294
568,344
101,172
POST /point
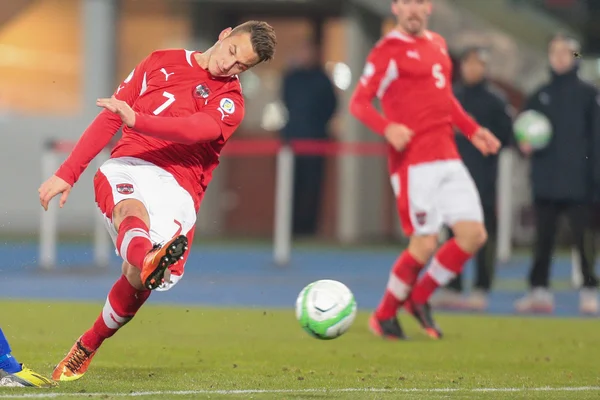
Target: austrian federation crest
x,y
202,91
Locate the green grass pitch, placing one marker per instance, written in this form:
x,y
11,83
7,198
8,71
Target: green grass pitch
x,y
196,353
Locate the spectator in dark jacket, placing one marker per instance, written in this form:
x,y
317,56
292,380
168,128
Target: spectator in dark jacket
x,y
487,104
564,175
310,99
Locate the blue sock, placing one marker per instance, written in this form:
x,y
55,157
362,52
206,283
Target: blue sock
x,y
7,361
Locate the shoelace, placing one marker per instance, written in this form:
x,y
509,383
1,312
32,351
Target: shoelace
x,y
77,359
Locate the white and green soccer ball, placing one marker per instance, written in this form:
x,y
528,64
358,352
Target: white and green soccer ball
x,y
533,128
326,309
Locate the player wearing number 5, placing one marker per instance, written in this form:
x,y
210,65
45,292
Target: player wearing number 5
x,y
178,108
409,71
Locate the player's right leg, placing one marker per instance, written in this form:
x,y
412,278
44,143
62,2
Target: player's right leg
x,y
422,227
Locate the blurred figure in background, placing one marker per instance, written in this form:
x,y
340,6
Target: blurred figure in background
x,y
565,175
488,106
310,99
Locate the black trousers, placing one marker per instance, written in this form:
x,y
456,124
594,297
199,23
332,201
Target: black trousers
x,y
309,172
485,259
579,218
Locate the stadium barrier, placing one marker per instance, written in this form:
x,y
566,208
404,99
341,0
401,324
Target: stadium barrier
x,y
285,154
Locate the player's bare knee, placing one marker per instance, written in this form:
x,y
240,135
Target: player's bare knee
x,y
133,276
423,247
471,236
130,208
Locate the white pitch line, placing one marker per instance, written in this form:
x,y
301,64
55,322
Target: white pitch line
x,y
300,391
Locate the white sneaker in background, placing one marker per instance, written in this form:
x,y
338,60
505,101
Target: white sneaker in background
x,y
477,301
588,301
447,299
539,300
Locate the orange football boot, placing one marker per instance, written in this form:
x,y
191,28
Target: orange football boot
x,y
160,258
74,365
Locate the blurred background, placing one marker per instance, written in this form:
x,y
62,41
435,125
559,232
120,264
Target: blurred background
x,y
58,56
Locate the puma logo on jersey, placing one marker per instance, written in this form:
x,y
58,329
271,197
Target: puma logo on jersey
x,y
164,71
413,54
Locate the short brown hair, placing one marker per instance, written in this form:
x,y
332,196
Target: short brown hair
x,y
262,36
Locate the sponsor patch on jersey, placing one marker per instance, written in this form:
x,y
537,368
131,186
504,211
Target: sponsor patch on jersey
x,y
202,90
125,188
227,105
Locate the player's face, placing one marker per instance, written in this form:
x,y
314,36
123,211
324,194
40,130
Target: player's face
x,y
472,69
232,55
412,15
560,55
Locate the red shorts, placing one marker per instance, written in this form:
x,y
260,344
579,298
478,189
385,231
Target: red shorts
x,y
170,207
433,194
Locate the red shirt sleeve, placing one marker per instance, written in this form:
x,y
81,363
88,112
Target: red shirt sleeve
x,y
227,110
220,117
361,103
467,125
103,128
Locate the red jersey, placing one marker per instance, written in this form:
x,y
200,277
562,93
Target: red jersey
x,y
178,104
411,76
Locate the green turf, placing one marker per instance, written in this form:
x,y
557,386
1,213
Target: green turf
x,y
188,348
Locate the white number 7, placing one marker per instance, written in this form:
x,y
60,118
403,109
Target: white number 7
x,y
170,100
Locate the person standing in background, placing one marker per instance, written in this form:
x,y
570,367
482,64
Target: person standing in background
x,y
310,99
488,106
565,176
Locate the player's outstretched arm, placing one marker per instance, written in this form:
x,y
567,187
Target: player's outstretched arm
x,y
218,119
95,138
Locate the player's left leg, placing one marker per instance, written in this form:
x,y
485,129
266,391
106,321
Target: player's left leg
x,y
485,263
14,374
167,217
459,204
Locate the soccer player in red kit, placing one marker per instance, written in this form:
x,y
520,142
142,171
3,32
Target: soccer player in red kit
x,y
409,71
178,108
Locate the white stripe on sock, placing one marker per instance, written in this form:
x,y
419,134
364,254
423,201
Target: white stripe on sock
x,y
398,288
111,319
128,237
439,273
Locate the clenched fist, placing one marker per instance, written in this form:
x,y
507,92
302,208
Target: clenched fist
x,y
398,135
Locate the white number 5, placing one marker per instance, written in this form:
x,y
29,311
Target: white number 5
x,y
440,79
170,100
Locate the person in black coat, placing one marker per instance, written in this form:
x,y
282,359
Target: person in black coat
x,y
487,104
565,176
310,99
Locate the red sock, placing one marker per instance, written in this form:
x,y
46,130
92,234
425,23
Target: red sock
x,y
121,305
133,241
447,263
402,278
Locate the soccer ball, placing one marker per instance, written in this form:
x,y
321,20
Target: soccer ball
x,y
326,309
533,128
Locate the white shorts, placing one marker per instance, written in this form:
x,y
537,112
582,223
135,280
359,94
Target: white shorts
x,y
170,207
434,194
